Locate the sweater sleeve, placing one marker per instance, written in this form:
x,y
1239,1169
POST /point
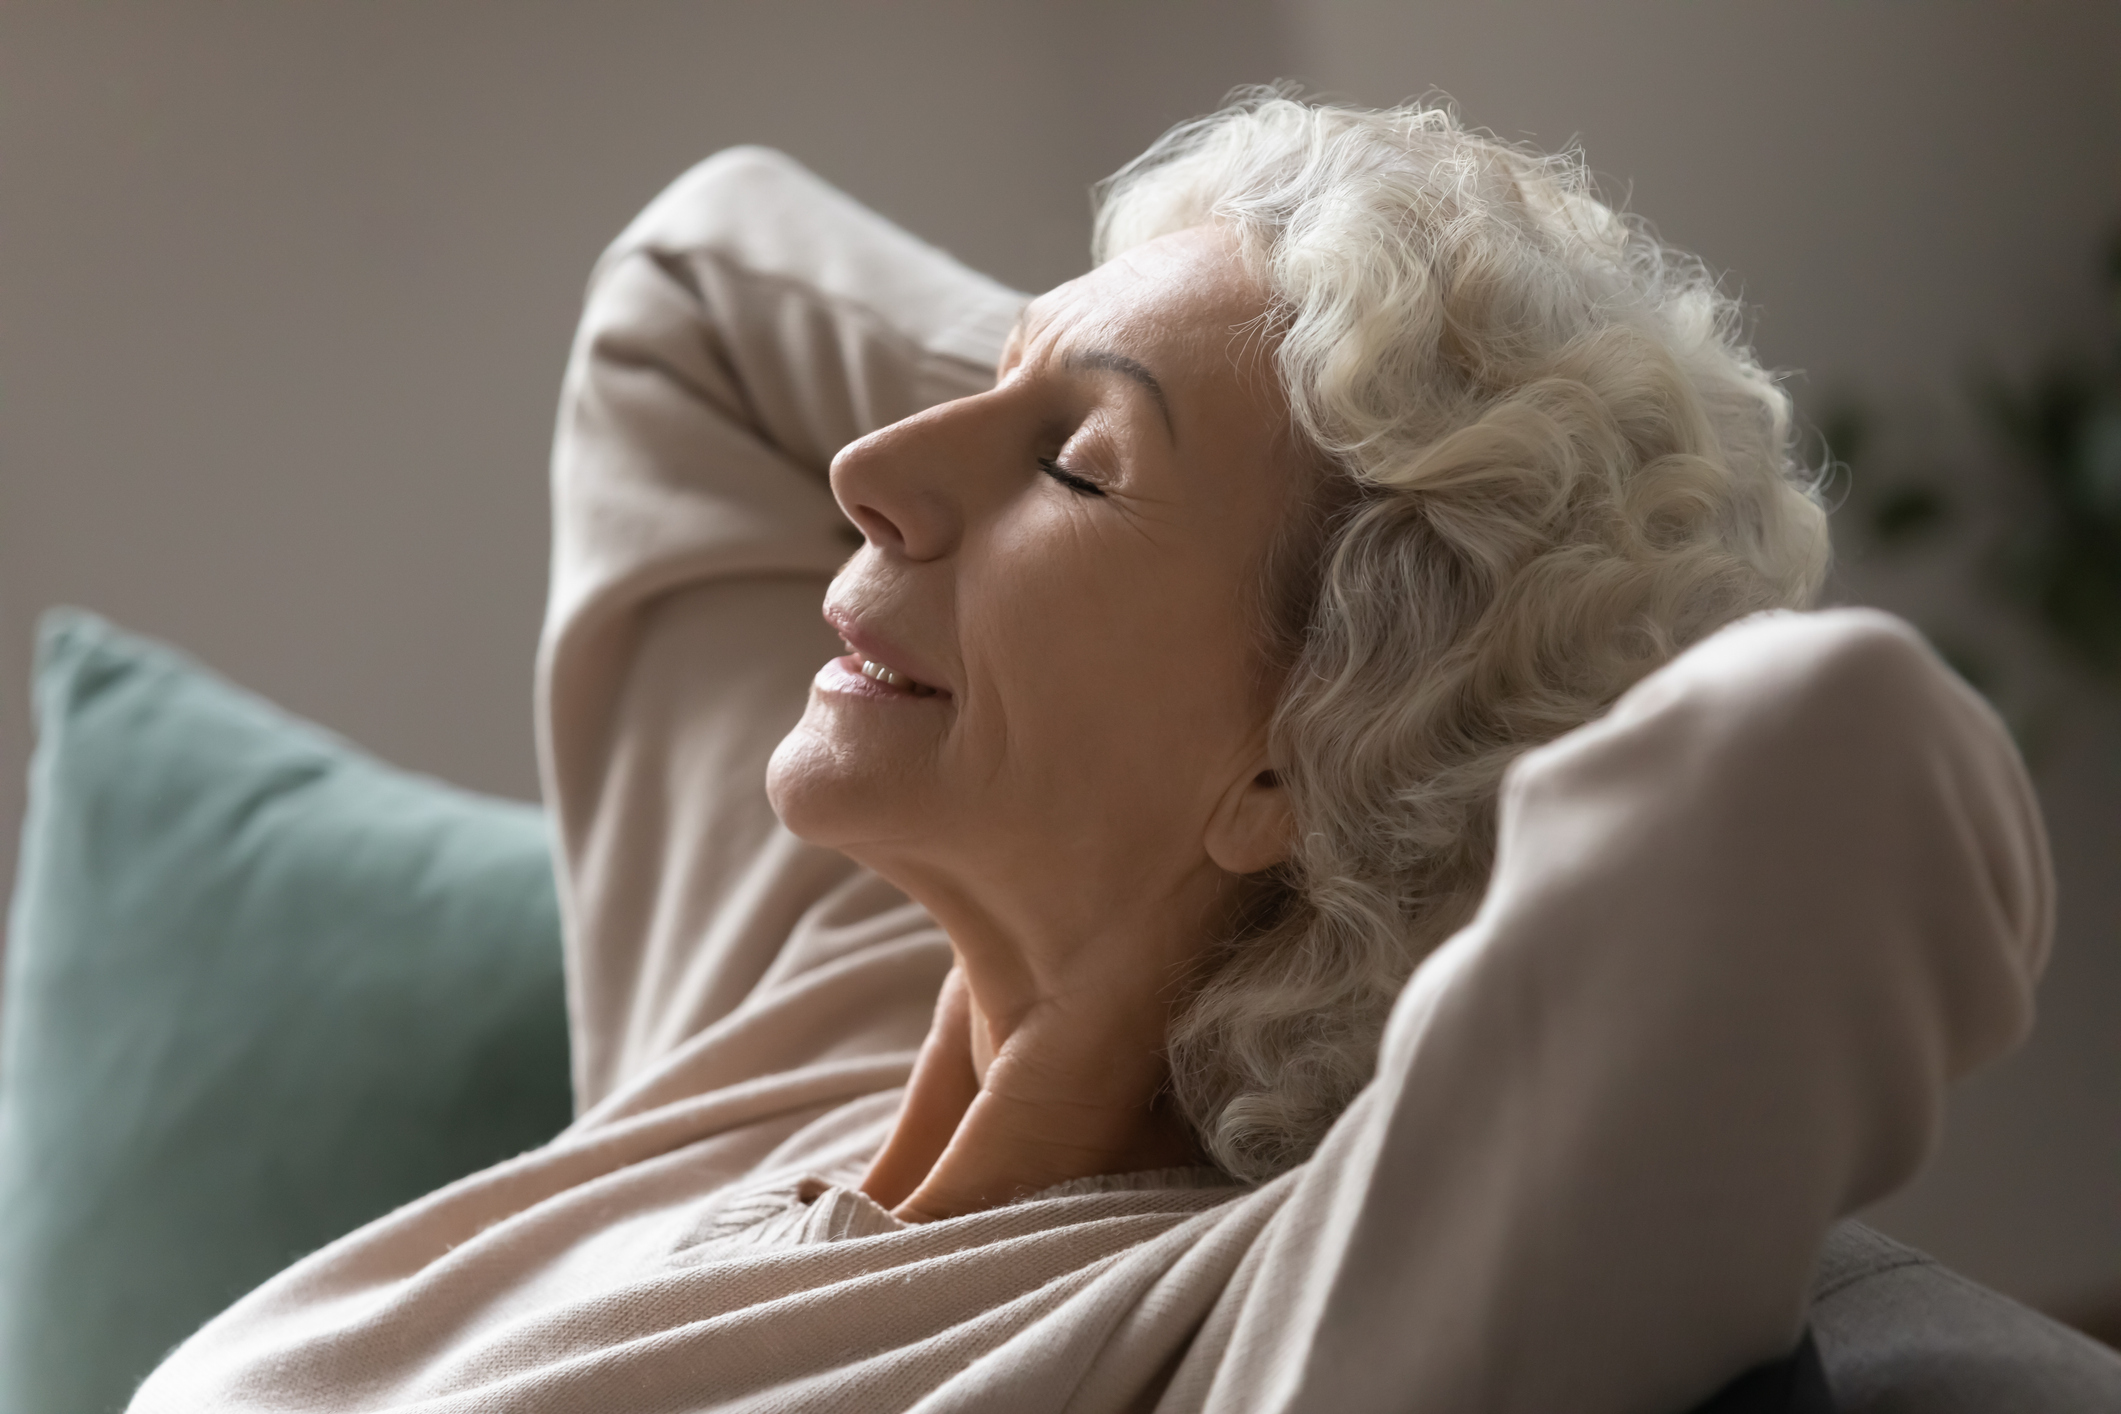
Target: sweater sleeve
x,y
747,325
1741,933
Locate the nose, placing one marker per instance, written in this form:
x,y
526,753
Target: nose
x,y
905,486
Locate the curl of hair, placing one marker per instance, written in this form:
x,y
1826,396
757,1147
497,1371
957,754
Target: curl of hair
x,y
1551,462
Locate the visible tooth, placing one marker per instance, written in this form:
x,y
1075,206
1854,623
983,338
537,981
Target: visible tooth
x,y
893,678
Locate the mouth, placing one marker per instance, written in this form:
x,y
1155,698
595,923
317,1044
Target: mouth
x,y
866,668
882,674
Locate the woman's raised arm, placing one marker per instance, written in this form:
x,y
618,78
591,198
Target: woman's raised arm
x,y
1741,933
748,324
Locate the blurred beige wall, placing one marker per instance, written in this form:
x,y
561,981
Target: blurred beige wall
x,y
285,290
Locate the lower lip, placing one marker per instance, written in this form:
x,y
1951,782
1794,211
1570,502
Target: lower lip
x,y
845,677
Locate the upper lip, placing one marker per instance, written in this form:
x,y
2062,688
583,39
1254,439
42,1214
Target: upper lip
x,y
866,643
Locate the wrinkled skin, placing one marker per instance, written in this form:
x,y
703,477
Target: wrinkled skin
x,y
1071,770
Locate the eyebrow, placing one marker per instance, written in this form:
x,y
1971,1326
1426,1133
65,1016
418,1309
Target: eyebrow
x,y
1105,361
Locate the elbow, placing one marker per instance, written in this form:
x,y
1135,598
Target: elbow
x,y
1938,802
1887,804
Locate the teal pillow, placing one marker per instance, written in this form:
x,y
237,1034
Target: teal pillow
x,y
260,989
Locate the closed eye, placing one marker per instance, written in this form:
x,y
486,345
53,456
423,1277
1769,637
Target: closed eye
x,y
1081,485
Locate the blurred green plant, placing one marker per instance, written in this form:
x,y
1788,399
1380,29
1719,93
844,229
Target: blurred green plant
x,y
2056,557
2063,561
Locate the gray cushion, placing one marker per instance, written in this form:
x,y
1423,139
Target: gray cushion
x,y
1899,1334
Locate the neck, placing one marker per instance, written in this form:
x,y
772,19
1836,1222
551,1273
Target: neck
x,y
1045,1061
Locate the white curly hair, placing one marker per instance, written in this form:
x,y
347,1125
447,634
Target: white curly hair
x,y
1551,462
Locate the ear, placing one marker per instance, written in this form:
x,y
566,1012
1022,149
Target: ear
x,y
1252,826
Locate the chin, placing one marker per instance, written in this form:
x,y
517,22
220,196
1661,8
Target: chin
x,y
800,788
821,792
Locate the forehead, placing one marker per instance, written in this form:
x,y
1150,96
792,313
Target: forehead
x,y
1186,293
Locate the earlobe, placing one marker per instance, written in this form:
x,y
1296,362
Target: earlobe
x,y
1251,829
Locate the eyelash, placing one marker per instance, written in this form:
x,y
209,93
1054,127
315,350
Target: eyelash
x,y
1080,485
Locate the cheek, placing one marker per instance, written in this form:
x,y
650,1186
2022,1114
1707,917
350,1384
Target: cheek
x,y
1116,670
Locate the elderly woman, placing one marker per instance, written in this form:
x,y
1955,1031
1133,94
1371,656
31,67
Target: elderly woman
x,y
1284,893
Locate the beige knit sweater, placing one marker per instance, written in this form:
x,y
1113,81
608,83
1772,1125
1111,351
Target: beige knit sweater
x,y
1741,933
